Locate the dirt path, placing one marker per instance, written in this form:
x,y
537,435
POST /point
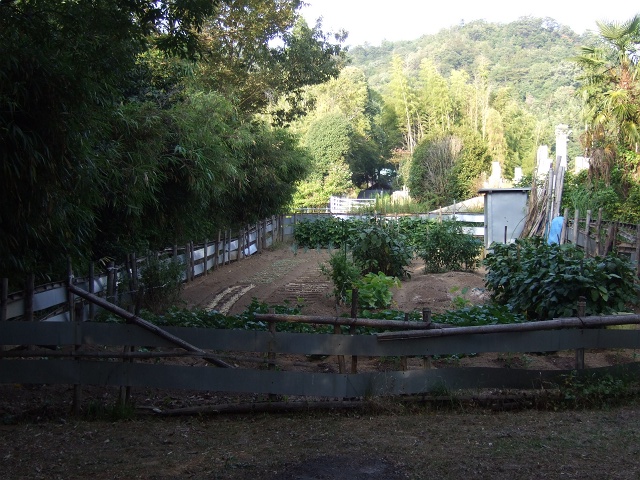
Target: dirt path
x,y
587,445
282,274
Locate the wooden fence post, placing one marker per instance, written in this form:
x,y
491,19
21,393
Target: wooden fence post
x,y
610,243
273,230
125,391
565,222
576,227
582,306
71,300
599,233
216,253
187,263
133,282
28,297
352,328
92,288
426,317
243,243
337,330
111,281
403,359
264,233
258,249
192,261
206,253
587,228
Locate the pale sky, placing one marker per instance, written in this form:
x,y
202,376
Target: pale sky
x,y
375,20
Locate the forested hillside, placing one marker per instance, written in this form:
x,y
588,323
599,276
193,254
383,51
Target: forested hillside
x,y
529,61
432,114
133,125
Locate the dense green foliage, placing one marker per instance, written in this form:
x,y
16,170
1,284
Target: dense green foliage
x,y
521,70
344,274
596,389
609,87
131,125
374,290
447,168
325,232
546,281
161,283
379,247
445,247
477,315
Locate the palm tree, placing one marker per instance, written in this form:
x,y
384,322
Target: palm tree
x,y
611,94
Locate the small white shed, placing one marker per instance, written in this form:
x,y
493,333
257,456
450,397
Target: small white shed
x,y
505,211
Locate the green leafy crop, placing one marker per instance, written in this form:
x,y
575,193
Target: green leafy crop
x,y
546,281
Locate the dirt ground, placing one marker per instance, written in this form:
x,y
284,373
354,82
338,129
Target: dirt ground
x,y
286,274
383,439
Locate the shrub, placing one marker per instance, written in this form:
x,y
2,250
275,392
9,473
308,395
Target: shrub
x,y
546,281
325,232
374,290
162,283
343,273
380,248
446,247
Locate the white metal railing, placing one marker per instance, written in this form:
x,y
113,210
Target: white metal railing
x,y
348,205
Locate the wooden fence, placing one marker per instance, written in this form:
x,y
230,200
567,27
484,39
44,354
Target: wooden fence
x,y
50,302
129,355
89,353
598,237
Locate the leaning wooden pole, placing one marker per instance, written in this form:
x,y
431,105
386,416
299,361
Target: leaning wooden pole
x,y
356,322
132,318
569,322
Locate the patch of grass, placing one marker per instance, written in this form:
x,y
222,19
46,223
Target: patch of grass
x,y
116,412
596,390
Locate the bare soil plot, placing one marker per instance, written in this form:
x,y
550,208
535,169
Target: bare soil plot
x,y
284,274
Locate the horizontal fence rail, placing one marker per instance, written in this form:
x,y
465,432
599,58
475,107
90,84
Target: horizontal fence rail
x,y
90,365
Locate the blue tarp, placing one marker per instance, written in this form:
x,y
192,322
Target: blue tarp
x,y
555,230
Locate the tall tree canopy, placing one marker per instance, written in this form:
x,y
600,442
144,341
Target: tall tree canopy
x,y
611,93
131,123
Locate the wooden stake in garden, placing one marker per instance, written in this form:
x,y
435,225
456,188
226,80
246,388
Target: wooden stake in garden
x,y
582,307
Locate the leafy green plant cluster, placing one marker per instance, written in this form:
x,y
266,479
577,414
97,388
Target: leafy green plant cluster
x,y
182,317
377,247
414,229
446,247
374,290
595,390
487,314
325,232
546,281
343,273
162,283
